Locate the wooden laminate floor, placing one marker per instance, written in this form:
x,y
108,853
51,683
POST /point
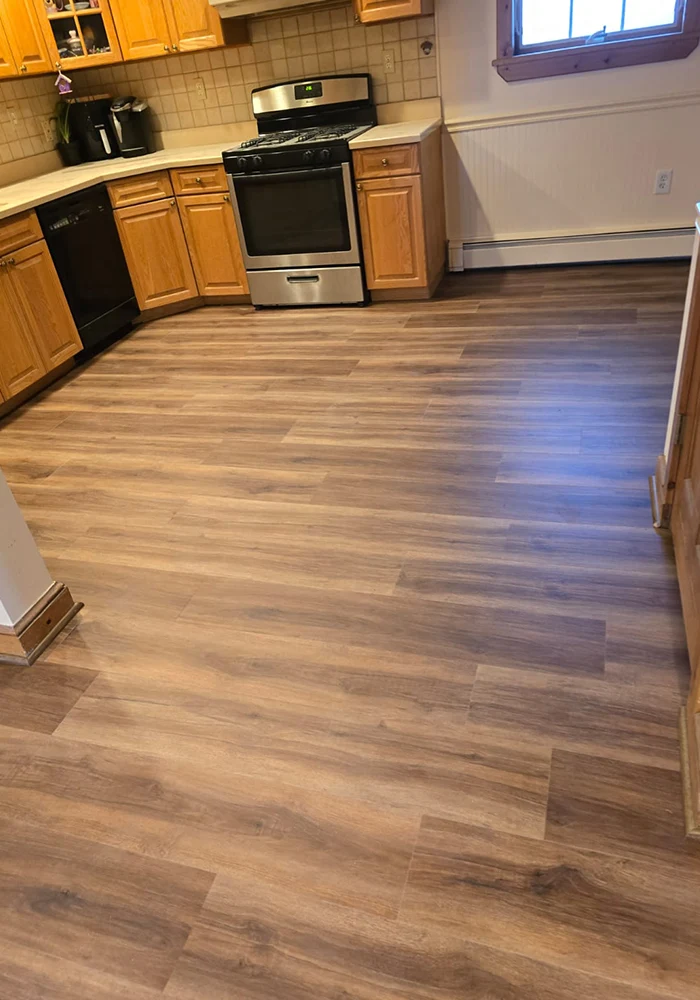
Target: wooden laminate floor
x,y
374,696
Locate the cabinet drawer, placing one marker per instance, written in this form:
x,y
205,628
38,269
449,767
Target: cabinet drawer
x,y
192,180
19,231
140,189
387,161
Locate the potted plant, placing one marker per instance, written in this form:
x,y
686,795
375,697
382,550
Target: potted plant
x,y
68,149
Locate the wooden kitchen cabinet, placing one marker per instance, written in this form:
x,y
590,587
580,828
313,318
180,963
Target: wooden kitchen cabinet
x,y
371,11
93,29
20,363
39,333
7,62
40,296
194,24
212,239
28,44
391,217
402,217
143,28
156,253
163,26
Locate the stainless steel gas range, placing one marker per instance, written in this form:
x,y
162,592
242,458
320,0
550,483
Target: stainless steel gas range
x,y
293,193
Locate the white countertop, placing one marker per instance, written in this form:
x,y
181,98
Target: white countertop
x,y
38,190
396,133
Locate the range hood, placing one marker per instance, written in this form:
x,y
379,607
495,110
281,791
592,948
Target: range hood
x,y
244,8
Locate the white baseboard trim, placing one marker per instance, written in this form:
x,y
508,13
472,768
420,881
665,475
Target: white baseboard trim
x,y
648,245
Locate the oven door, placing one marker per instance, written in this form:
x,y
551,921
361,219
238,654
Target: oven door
x,y
296,218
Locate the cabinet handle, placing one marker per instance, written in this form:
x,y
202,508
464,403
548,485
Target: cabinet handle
x,y
385,162
23,69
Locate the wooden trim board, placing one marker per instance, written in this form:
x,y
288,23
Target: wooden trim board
x,y
24,642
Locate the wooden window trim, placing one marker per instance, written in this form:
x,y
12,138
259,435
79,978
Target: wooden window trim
x,y
562,58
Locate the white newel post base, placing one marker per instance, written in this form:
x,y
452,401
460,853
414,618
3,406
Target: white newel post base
x,y
33,607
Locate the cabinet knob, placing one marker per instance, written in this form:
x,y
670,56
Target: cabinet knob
x,y
10,261
227,197
359,187
3,263
198,180
173,203
23,69
385,162
174,48
167,48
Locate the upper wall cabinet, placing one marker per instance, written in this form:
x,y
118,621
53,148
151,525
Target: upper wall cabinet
x,y
371,11
78,36
7,62
143,28
194,24
22,22
163,26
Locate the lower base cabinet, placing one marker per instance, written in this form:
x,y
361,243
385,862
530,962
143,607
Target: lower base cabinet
x,y
212,238
38,331
156,253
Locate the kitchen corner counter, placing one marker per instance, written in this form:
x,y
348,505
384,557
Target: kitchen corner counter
x,y
38,190
396,134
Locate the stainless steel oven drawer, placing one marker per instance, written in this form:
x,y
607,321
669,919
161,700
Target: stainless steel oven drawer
x,y
313,286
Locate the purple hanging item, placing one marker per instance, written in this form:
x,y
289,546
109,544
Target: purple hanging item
x,y
64,83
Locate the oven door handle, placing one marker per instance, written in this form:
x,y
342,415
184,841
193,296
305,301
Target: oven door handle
x,y
290,175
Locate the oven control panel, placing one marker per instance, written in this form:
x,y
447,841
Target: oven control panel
x,y
244,162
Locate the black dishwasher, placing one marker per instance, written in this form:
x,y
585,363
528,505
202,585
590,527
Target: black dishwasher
x,y
84,243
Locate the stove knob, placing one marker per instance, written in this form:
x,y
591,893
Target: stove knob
x,y
324,155
242,162
258,162
307,156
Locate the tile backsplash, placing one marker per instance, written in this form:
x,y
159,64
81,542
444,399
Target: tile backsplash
x,y
213,88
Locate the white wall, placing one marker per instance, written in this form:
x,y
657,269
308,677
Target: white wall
x,y
567,156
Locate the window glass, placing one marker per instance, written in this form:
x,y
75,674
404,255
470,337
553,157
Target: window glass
x,y
553,20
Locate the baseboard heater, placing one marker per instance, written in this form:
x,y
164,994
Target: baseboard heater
x,y
650,244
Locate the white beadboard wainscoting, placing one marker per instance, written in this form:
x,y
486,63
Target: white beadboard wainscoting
x,y
572,185
563,170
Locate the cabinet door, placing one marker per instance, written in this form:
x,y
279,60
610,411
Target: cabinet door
x,y
156,252
393,235
27,41
43,305
369,11
7,62
20,362
194,24
142,28
212,239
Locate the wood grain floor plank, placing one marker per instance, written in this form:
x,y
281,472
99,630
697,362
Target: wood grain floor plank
x,y
259,941
615,807
576,909
345,569
120,912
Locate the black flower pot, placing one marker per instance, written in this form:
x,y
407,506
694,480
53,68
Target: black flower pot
x,y
70,153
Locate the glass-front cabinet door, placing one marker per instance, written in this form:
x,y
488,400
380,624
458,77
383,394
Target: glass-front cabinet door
x,y
81,33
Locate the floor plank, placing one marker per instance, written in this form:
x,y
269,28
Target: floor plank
x,y
375,690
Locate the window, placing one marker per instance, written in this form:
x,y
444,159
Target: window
x,y
539,38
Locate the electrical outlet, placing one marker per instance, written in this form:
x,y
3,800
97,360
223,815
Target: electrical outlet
x,y
664,182
200,89
389,61
47,129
